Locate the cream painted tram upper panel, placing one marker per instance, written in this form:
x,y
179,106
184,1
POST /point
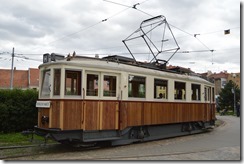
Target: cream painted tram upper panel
x,y
99,65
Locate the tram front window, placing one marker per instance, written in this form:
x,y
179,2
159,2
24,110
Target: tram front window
x,y
46,84
72,82
56,82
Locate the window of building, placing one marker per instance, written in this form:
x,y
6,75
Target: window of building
x,y
137,86
56,82
72,82
109,86
196,90
160,89
92,85
180,90
46,83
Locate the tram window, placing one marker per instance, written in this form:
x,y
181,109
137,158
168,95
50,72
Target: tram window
x,y
160,89
92,85
137,86
180,90
213,95
72,82
46,84
56,82
207,93
109,86
195,92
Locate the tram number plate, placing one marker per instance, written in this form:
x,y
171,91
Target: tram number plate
x,y
43,104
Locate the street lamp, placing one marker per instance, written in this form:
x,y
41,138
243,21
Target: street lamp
x,y
233,91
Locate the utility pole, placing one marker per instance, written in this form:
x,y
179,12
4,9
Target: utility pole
x,y
12,70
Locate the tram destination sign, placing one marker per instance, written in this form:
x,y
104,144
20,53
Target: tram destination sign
x,y
43,104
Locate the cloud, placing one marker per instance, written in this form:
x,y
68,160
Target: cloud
x,y
41,26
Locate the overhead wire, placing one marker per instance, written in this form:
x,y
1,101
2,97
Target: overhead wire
x,y
104,20
135,7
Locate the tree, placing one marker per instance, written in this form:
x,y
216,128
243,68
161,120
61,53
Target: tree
x,y
226,97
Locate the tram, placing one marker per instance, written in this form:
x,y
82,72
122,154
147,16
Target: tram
x,y
117,101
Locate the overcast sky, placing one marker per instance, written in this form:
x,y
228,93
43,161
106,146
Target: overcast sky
x,y
43,26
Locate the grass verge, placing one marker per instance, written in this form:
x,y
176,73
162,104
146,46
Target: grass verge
x,y
9,139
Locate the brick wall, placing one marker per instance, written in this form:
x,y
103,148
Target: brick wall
x,y
21,78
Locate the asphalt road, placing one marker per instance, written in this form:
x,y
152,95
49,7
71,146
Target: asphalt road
x,y
221,143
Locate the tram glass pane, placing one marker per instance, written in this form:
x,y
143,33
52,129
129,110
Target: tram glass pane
x,y
92,85
46,83
207,93
180,90
72,82
160,89
56,82
137,86
109,86
196,92
213,95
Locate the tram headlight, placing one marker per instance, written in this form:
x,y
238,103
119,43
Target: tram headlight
x,y
44,119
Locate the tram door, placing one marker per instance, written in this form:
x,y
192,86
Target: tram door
x,y
101,105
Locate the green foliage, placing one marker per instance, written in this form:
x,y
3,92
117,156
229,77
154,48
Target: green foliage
x,y
17,110
226,97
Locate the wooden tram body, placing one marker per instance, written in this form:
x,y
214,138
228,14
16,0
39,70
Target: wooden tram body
x,y
112,100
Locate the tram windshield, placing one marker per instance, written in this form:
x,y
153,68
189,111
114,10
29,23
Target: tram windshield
x,y
46,83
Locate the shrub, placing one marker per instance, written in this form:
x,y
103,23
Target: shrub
x,y
17,110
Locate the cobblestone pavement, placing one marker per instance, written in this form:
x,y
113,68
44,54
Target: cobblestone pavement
x,y
222,143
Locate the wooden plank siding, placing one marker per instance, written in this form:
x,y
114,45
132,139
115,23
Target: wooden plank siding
x,y
111,114
153,113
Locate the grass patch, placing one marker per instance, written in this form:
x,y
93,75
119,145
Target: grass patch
x,y
8,139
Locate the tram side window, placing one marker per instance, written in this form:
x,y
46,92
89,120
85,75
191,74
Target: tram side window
x,y
56,85
160,89
196,92
213,95
109,86
46,83
207,93
92,85
137,86
72,82
180,90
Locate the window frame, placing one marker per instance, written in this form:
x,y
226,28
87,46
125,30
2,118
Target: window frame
x,y
185,96
78,86
54,83
154,89
199,92
102,85
145,86
98,84
43,76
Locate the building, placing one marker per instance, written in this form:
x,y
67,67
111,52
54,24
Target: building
x,y
235,77
220,79
22,79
